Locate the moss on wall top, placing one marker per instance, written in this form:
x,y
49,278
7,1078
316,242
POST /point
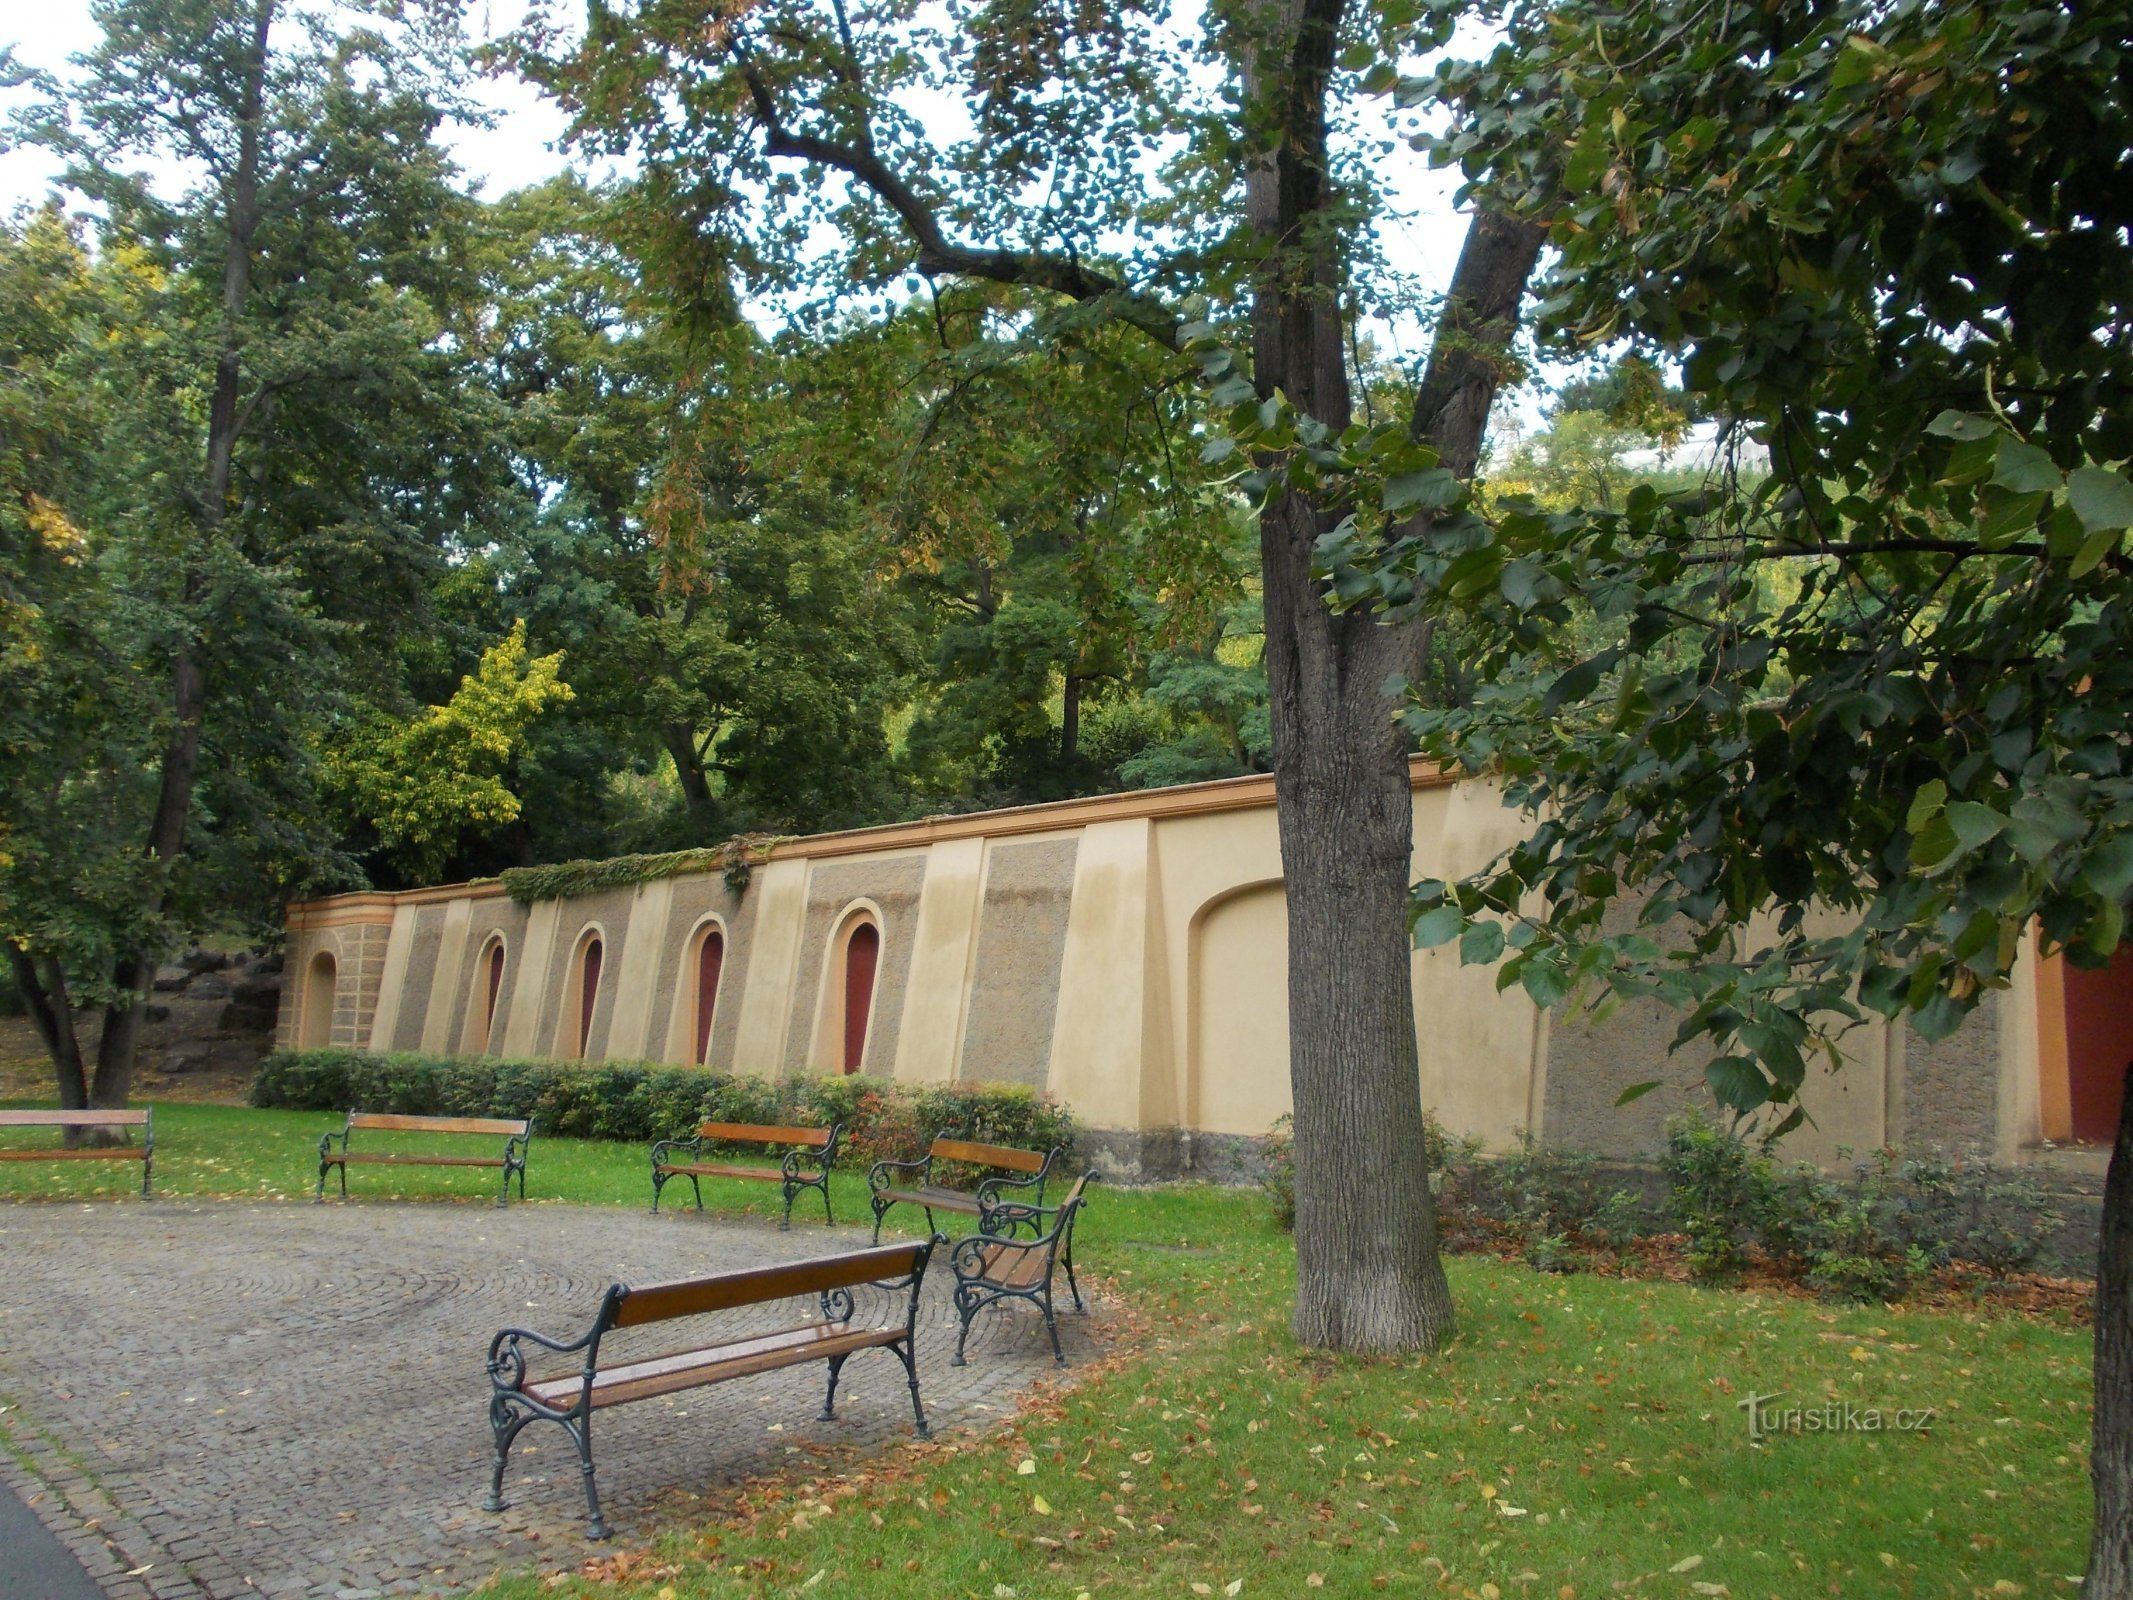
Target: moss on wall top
x,y
736,860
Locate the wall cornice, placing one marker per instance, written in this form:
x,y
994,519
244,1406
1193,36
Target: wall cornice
x,y
1054,816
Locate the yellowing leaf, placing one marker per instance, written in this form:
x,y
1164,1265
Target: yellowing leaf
x,y
1040,1505
1027,1467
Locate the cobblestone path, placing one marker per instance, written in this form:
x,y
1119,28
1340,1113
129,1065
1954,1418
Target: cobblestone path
x,y
222,1399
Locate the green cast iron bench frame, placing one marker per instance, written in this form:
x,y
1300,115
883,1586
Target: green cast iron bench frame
x,y
809,1145
1034,1166
144,1152
995,1266
517,1133
570,1398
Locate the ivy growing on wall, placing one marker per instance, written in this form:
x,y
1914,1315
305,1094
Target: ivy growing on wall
x,y
736,860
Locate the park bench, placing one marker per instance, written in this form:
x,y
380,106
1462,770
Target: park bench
x,y
816,1147
144,1152
571,1397
515,1132
887,1191
997,1266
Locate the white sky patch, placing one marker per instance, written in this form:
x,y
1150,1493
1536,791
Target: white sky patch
x,y
1421,226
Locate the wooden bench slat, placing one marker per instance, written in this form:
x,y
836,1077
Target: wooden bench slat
x,y
1024,1269
379,1158
113,1152
391,1122
763,1133
73,1119
772,1174
644,1380
935,1199
689,1297
988,1155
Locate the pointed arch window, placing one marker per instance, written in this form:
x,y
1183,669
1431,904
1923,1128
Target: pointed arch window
x,y
862,959
710,966
588,992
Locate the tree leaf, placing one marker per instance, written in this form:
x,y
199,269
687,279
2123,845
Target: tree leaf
x,y
1481,944
1544,982
1637,1091
2024,468
1737,1082
1961,425
2102,499
1438,926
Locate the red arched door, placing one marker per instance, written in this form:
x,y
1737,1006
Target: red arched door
x,y
710,959
588,992
496,984
862,954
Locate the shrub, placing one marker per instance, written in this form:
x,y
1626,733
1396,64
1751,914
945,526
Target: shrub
x,y
1555,1201
1875,1232
637,1102
1279,1180
1727,1198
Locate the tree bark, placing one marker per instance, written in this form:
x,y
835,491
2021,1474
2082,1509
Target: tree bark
x,y
1367,1267
2110,1575
688,770
132,973
1070,720
43,987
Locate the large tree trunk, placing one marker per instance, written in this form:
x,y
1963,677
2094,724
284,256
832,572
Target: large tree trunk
x,y
1368,1274
2111,1456
132,973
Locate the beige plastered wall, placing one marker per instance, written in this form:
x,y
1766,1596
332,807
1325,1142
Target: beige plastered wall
x,y
1126,954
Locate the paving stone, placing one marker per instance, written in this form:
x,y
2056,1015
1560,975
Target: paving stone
x,y
290,1400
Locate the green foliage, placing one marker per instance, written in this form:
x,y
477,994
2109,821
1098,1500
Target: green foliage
x,y
1278,1152
1876,1232
735,860
1726,1197
639,1102
423,782
250,441
1886,680
1556,1200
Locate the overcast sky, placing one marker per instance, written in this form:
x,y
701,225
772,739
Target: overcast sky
x,y
519,150
521,147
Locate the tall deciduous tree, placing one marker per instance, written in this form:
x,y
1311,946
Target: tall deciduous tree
x,y
757,121
270,389
1894,244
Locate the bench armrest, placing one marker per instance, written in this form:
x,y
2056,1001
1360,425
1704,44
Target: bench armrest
x,y
878,1173
790,1166
976,1253
989,1190
821,1158
663,1148
507,1359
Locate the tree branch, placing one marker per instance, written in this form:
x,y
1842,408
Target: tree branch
x,y
1466,357
937,254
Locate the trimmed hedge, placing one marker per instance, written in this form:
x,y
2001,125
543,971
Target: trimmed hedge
x,y
637,1102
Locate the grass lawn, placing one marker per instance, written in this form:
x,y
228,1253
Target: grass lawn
x,y
1581,1436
